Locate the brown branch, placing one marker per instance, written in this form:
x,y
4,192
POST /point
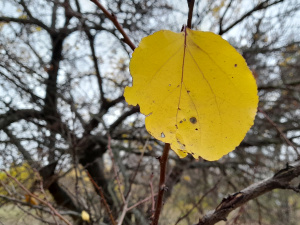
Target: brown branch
x,y
91,39
39,199
281,180
114,19
260,6
25,21
133,110
15,115
14,140
190,15
162,186
112,220
223,16
279,131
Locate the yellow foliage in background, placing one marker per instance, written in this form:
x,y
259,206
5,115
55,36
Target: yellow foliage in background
x,y
22,173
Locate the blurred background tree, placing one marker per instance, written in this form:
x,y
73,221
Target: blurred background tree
x,y
63,70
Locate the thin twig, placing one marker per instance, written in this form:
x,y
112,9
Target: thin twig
x,y
116,171
112,220
39,178
128,195
162,186
39,207
138,166
152,195
114,19
37,198
260,6
190,15
198,203
124,211
141,202
279,131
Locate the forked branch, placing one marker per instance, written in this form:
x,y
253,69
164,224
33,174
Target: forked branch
x,y
281,180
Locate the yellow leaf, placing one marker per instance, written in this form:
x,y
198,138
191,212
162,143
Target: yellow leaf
x,y
30,200
196,91
187,178
2,25
85,216
149,147
23,16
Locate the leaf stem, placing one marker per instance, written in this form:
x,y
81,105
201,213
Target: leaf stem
x,y
190,15
162,186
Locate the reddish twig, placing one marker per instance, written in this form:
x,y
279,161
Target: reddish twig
x,y
114,19
138,166
190,15
141,202
38,199
112,220
279,131
124,211
162,186
152,196
43,191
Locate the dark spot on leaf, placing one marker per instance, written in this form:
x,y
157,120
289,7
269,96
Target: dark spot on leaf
x,y
235,65
179,108
176,126
180,121
188,92
193,120
178,85
231,77
196,129
169,85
